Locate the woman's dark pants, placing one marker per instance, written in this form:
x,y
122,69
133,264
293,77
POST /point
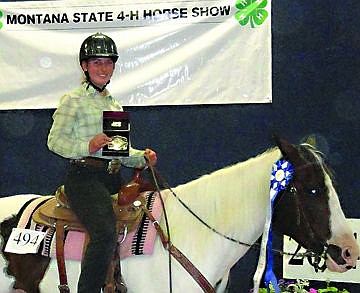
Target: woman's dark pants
x,y
89,190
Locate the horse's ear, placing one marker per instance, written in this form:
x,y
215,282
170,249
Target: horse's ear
x,y
289,151
311,140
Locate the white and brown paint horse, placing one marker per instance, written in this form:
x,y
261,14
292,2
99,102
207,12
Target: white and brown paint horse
x,y
233,201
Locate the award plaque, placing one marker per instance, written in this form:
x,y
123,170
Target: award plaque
x,y
116,125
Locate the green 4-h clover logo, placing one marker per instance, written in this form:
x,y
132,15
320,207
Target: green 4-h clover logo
x,y
1,15
251,10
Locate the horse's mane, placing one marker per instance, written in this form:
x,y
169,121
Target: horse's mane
x,y
225,177
234,194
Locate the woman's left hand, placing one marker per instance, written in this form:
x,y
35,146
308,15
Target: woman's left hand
x,y
150,157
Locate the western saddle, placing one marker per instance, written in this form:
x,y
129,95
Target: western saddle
x,y
129,208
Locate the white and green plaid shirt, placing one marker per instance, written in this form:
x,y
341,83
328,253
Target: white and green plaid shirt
x,y
78,119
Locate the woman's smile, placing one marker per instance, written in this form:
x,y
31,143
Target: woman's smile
x,y
100,70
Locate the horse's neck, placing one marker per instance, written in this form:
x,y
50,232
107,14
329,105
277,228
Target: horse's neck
x,y
232,200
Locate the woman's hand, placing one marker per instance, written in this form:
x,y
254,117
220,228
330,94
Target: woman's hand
x,y
98,142
150,157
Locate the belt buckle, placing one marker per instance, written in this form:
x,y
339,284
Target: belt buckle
x,y
78,162
113,166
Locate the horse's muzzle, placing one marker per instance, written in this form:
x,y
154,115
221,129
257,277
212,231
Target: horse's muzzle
x,y
335,253
339,260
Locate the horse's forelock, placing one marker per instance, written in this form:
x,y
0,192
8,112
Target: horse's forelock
x,y
336,213
311,154
316,157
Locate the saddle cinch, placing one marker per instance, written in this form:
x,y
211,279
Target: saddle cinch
x,y
128,207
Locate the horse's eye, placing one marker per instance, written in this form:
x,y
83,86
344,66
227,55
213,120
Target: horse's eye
x,y
316,191
313,192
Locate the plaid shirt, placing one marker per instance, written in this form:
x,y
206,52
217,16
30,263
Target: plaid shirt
x,y
78,119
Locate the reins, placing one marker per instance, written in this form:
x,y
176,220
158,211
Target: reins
x,y
172,250
308,254
166,186
152,170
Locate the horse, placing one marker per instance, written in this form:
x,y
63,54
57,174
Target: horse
x,y
215,219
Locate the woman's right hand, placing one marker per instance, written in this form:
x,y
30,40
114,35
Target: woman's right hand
x,y
97,142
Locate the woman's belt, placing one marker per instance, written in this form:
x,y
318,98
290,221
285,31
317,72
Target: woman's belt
x,y
112,166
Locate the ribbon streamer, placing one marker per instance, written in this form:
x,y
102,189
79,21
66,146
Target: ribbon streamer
x,y
281,174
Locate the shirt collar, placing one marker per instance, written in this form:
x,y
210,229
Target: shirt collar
x,y
90,91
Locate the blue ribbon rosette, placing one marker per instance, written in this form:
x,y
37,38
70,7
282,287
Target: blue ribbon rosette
x,y
281,174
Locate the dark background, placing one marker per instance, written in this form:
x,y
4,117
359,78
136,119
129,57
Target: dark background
x,y
315,47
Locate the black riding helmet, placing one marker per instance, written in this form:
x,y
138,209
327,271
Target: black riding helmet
x,y
98,45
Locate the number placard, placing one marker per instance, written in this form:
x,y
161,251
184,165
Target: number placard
x,y
24,241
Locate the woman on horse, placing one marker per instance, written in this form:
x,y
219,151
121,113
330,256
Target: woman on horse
x,y
77,134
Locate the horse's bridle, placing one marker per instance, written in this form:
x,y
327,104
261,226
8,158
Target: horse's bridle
x,y
314,258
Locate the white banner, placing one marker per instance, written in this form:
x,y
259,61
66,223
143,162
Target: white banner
x,y
171,52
